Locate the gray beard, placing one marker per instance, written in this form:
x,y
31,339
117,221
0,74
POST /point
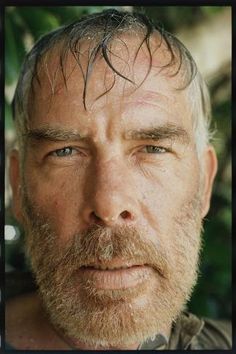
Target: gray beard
x,y
113,317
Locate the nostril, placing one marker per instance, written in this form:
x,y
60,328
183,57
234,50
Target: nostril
x,y
125,215
96,219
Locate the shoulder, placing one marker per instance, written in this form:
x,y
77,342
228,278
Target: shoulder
x,y
21,311
205,333
26,324
215,334
22,314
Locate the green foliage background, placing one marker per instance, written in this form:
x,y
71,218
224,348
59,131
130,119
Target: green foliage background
x,y
24,25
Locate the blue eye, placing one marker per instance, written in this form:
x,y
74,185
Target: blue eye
x,y
152,149
64,152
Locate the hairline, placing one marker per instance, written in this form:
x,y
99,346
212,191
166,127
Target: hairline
x,y
190,88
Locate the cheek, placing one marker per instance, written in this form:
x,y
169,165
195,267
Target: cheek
x,y
59,197
168,189
165,190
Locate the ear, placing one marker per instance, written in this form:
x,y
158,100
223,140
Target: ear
x,y
15,181
209,171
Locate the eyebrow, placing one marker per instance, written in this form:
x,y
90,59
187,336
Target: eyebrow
x,y
167,131
53,134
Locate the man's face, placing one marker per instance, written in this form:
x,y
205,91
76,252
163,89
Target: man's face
x,y
112,199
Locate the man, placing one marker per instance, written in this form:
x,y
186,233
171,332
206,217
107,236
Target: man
x,y
111,180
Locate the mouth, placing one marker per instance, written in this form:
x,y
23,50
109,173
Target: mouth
x,y
110,266
114,276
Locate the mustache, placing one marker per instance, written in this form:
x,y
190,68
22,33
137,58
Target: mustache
x,y
103,245
97,245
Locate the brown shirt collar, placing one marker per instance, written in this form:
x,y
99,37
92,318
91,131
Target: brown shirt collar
x,y
183,332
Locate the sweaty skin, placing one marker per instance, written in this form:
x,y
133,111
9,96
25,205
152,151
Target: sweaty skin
x,y
130,160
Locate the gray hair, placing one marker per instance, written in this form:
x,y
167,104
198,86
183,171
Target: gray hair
x,y
102,28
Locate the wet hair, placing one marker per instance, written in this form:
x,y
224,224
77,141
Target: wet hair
x,y
100,30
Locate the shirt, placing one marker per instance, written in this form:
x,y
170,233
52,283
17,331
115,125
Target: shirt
x,y
190,332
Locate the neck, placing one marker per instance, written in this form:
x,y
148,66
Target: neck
x,y
83,346
76,344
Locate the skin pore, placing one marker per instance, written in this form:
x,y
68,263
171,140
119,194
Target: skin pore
x,y
111,199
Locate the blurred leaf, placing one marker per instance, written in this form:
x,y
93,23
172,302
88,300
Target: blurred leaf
x,y
12,48
211,10
38,20
226,217
8,116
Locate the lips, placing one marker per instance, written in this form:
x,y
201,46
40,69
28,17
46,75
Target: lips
x,y
109,267
114,277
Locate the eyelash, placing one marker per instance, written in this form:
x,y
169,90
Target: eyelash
x,y
67,151
58,151
157,149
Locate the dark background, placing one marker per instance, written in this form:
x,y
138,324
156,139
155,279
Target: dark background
x,y
206,31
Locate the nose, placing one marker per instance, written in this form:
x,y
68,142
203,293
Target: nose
x,y
111,198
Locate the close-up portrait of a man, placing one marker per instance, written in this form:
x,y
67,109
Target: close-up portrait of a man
x,y
111,172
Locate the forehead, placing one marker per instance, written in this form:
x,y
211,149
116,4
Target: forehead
x,y
68,83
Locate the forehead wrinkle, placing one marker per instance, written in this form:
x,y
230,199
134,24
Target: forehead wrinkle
x,y
155,97
148,109
149,95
